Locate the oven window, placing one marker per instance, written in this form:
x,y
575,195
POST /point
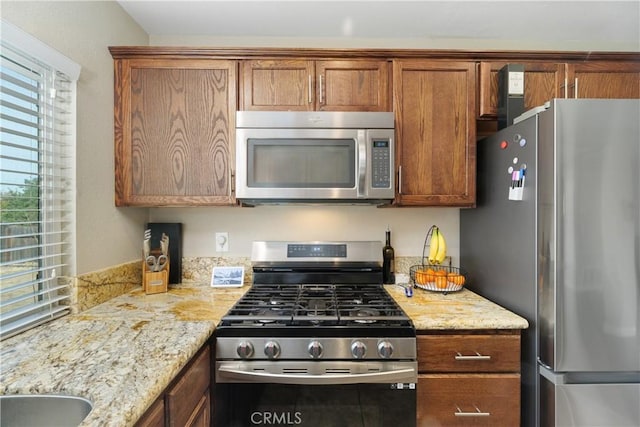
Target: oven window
x,y
351,405
301,163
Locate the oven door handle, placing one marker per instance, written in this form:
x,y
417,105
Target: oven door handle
x,y
228,374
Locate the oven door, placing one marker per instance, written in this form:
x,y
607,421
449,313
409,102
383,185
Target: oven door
x,y
294,396
349,405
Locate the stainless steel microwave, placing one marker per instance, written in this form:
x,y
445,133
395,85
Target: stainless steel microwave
x,y
314,157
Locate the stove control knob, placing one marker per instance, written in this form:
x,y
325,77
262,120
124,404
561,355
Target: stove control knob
x,y
245,349
358,349
385,349
315,349
272,350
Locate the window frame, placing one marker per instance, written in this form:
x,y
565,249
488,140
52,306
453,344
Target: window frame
x,y
45,278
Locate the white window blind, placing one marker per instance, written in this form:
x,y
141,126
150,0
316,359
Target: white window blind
x,y
37,189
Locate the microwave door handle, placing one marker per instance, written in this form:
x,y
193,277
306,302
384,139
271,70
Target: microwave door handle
x,y
362,164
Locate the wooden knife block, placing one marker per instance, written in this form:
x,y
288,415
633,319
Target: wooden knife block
x,y
155,282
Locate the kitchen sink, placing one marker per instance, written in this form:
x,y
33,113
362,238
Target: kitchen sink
x,y
46,410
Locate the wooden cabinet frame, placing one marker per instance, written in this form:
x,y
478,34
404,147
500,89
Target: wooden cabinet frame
x,y
599,74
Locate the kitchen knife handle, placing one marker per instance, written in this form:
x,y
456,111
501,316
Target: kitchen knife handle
x,y
476,356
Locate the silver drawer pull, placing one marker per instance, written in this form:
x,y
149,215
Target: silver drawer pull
x,y
477,356
478,413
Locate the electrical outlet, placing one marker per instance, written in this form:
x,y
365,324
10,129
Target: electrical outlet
x,y
222,241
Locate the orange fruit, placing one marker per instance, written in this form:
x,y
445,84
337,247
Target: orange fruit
x,y
456,279
430,275
441,282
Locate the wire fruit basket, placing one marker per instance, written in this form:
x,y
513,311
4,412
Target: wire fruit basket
x,y
434,276
437,278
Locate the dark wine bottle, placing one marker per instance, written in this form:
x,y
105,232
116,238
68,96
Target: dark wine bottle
x,y
388,260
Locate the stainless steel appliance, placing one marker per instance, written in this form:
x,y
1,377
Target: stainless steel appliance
x,y
556,239
314,157
316,341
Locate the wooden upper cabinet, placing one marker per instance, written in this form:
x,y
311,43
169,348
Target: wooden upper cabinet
x,y
174,131
353,85
546,80
307,85
435,109
604,80
542,82
285,84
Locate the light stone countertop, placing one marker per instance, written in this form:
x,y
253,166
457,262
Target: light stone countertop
x,y
454,310
122,354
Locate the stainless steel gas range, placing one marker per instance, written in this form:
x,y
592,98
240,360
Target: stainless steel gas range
x,y
316,341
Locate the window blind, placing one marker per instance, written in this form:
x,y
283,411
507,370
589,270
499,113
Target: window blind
x,y
37,189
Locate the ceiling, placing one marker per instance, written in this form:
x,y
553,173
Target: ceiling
x,y
584,21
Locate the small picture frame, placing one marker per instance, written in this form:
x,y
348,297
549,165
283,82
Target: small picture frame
x,y
227,277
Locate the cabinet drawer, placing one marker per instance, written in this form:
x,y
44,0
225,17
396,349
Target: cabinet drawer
x,y
469,353
183,398
468,399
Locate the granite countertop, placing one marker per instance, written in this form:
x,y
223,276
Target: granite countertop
x,y
123,353
463,310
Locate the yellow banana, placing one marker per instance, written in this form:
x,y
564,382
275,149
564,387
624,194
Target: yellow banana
x,y
442,248
433,245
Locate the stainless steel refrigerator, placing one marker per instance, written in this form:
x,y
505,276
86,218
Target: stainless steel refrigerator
x,y
555,238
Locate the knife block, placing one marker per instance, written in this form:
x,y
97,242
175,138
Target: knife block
x,y
155,282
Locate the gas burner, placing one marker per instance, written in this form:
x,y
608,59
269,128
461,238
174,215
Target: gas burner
x,y
365,315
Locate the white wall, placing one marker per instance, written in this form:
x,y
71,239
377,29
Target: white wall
x,y
83,31
408,226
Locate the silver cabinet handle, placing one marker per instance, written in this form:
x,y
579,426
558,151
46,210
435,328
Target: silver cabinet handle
x,y
310,94
565,86
321,94
575,88
478,413
476,356
400,179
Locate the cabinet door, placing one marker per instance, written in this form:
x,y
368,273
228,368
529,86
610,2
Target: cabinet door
x,y
435,131
542,82
280,84
604,80
201,415
174,131
185,399
468,400
353,85
154,417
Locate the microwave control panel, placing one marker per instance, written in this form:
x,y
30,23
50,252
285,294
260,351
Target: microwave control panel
x,y
380,163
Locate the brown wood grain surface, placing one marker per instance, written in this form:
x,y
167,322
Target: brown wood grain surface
x,y
435,125
175,143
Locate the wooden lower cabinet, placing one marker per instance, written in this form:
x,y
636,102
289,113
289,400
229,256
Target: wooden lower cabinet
x,y
469,379
154,417
187,400
468,400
